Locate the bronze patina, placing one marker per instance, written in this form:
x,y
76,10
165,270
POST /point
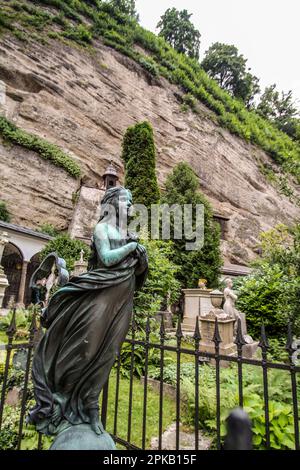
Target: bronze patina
x,y
86,322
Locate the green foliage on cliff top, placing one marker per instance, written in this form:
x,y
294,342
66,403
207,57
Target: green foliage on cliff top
x,y
45,149
103,20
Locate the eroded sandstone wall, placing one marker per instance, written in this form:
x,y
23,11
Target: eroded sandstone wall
x,y
84,102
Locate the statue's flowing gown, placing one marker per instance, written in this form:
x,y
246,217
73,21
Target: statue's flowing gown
x,y
87,322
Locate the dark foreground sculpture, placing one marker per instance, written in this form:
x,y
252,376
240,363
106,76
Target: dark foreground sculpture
x,y
87,321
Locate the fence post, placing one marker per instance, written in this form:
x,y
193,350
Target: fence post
x,y
239,434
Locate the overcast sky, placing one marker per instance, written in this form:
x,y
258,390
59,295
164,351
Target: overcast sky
x,y
266,32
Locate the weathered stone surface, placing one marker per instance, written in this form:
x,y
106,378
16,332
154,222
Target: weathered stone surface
x,y
84,102
36,192
187,440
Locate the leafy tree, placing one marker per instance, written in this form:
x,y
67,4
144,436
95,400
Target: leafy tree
x,y
272,292
178,30
139,157
182,188
223,63
67,248
281,109
127,7
4,214
161,281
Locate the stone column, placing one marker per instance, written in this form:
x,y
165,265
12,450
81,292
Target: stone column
x,y
4,239
21,294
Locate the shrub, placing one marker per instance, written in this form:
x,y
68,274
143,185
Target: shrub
x,y
139,156
182,188
66,248
49,229
272,293
4,213
79,34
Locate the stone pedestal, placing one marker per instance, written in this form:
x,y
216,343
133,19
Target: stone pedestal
x,y
207,328
197,303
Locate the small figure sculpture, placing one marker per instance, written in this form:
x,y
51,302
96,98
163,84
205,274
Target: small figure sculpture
x,y
87,321
229,308
230,299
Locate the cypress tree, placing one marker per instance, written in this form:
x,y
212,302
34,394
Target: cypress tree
x,y
139,158
182,188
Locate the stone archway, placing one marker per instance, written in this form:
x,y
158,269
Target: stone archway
x,y
32,266
12,261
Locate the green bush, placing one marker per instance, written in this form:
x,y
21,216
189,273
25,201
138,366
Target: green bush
x,y
139,156
23,319
48,151
4,213
49,229
182,188
67,248
161,282
79,34
272,292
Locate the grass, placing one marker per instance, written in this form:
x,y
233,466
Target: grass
x,y
152,429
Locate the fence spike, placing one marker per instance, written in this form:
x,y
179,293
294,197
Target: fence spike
x,y
11,330
197,334
239,339
162,330
179,334
289,342
263,343
216,337
148,328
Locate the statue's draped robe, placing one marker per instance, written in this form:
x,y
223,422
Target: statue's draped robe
x,y
87,322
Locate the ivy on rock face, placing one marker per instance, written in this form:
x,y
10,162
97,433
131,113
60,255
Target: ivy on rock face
x,y
45,149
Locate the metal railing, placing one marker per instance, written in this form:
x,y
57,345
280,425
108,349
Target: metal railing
x,y
178,349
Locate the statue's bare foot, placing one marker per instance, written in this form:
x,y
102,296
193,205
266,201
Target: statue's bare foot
x,y
95,423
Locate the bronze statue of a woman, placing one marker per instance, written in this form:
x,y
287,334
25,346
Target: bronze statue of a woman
x,y
87,321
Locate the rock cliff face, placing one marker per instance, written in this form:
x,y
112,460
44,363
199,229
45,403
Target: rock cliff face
x,y
84,101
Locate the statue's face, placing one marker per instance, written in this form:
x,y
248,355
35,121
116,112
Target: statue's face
x,y
230,283
125,203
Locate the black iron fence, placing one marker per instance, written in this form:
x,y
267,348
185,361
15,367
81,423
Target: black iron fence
x,y
134,367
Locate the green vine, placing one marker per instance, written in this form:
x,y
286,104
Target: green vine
x,y
45,149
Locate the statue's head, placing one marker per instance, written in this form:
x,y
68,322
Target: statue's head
x,y
229,282
117,201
